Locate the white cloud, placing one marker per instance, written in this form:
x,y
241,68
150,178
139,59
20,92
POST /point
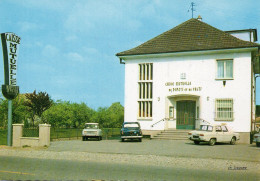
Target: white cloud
x,y
28,26
90,50
71,38
73,56
50,51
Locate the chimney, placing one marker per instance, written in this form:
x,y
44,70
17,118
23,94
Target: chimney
x,y
199,18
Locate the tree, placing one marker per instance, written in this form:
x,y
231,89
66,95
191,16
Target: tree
x,y
37,103
19,113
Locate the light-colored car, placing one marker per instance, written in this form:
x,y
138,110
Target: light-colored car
x,y
91,130
213,134
257,139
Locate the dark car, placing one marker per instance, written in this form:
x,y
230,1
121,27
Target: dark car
x,y
131,130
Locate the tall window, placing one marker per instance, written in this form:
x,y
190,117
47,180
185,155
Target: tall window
x,y
225,69
145,85
224,110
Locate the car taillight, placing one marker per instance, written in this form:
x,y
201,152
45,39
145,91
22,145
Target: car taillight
x,y
189,133
256,136
201,134
122,132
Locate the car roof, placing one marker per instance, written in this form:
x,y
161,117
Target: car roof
x,y
91,123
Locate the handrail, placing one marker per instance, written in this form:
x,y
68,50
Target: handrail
x,y
164,119
203,120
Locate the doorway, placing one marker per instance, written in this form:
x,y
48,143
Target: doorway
x,y
186,112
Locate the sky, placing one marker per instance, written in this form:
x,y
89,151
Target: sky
x,y
68,47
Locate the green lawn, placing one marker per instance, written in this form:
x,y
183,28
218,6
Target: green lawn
x,y
3,136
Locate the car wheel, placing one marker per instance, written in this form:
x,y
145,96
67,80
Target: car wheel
x,y
83,138
212,141
233,141
258,144
140,139
196,142
100,137
122,139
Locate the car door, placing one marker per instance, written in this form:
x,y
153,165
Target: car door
x,y
226,134
219,134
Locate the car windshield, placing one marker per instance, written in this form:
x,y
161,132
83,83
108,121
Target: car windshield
x,y
131,125
206,128
91,126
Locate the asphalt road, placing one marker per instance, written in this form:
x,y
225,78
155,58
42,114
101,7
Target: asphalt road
x,y
115,160
17,168
176,148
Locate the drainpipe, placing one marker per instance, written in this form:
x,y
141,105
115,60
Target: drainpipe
x,y
255,98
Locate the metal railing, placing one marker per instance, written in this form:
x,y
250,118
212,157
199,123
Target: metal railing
x,y
76,133
164,119
31,132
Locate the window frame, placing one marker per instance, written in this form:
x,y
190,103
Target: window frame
x,y
145,91
224,69
222,115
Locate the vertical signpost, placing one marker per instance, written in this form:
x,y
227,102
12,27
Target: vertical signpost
x,y
10,90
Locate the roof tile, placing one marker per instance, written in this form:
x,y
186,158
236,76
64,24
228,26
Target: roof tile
x,y
192,35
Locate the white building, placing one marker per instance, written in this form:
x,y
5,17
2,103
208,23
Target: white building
x,y
191,75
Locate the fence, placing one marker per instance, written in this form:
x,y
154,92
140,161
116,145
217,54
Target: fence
x,y
31,132
60,133
76,133
3,136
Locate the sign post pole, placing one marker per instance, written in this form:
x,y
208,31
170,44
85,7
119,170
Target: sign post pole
x,y
9,134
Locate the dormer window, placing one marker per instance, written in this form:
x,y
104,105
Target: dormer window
x,y
225,69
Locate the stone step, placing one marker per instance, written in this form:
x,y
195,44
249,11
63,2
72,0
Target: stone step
x,y
172,134
168,138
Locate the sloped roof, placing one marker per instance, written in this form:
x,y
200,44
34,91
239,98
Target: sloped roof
x,y
192,35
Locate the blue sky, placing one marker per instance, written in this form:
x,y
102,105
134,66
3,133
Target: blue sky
x,y
68,47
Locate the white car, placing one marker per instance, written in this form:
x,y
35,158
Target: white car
x,y
257,139
91,130
213,134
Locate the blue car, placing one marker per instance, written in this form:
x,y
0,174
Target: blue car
x,y
131,130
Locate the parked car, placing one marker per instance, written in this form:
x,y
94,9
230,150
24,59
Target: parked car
x,y
131,130
213,134
257,139
91,130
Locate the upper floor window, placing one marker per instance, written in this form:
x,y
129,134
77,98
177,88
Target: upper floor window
x,y
225,69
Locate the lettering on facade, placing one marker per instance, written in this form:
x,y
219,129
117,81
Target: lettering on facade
x,y
182,87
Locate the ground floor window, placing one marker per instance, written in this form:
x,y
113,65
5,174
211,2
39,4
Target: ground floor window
x,y
224,110
145,109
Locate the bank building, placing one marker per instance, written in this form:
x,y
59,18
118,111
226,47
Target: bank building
x,y
191,75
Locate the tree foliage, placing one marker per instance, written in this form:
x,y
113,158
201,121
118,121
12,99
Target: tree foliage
x,y
19,112
37,103
27,108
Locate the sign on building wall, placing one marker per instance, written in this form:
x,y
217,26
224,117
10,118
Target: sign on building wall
x,y
10,45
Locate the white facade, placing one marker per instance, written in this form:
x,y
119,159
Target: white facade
x,y
191,76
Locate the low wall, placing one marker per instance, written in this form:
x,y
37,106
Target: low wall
x,y
42,140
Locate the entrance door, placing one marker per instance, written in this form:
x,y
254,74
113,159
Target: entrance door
x,y
186,114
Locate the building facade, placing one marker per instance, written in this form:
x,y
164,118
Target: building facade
x,y
191,75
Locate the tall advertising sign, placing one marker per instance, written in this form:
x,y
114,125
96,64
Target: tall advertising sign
x,y
10,44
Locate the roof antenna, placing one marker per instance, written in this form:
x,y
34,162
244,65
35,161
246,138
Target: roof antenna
x,y
192,8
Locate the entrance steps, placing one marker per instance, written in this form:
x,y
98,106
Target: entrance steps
x,y
172,134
